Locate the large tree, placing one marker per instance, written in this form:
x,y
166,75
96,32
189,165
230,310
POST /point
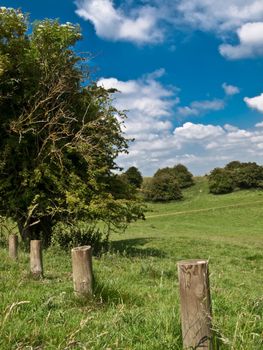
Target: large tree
x,y
59,133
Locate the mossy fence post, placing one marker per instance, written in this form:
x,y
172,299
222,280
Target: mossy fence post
x,y
36,261
196,311
13,246
82,271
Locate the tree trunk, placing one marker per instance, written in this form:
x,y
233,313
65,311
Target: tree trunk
x,y
40,231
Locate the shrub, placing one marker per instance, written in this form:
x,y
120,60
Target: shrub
x,y
162,188
221,181
68,236
248,175
134,176
183,175
180,173
236,175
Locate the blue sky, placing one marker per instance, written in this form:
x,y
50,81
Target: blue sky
x,y
189,72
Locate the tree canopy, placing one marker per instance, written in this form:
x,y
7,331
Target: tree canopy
x,y
134,176
180,173
162,188
235,175
59,132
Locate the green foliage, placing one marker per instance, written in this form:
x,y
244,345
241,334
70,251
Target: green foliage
x,y
167,183
162,188
59,133
134,177
80,234
180,173
235,175
221,181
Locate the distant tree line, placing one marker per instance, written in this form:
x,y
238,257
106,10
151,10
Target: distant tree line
x,y
235,175
165,185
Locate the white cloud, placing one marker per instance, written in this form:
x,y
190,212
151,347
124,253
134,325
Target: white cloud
x,y
201,147
250,37
230,128
219,16
139,26
148,102
230,89
145,23
255,102
259,125
190,131
201,107
157,143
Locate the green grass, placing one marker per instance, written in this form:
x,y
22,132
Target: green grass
x,y
136,303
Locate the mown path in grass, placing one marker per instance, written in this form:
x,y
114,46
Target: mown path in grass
x,y
204,209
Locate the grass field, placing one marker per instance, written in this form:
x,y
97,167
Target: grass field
x,y
136,305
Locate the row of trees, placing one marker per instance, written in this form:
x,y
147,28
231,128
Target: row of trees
x,y
165,185
235,175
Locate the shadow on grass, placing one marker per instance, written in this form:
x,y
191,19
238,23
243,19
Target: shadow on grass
x,y
133,248
107,294
104,294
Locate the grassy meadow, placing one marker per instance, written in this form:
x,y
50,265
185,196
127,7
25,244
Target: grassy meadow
x,y
136,303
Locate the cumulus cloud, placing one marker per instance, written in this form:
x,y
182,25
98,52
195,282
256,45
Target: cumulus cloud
x,y
139,26
201,147
230,90
201,107
190,131
144,23
219,16
148,102
255,102
250,37
151,115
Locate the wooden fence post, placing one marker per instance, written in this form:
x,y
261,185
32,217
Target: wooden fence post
x,y
82,270
13,246
196,312
36,262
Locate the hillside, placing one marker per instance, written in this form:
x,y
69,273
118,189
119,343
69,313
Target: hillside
x,y
136,305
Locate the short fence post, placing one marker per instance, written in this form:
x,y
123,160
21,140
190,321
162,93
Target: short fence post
x,y
13,246
196,312
36,262
82,270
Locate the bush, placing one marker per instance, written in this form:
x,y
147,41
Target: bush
x,y
221,182
180,173
134,177
162,188
68,236
235,175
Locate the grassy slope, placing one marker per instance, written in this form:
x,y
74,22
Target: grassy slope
x,y
136,298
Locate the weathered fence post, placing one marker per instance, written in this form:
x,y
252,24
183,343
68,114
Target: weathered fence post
x,y
13,246
82,270
36,262
196,312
